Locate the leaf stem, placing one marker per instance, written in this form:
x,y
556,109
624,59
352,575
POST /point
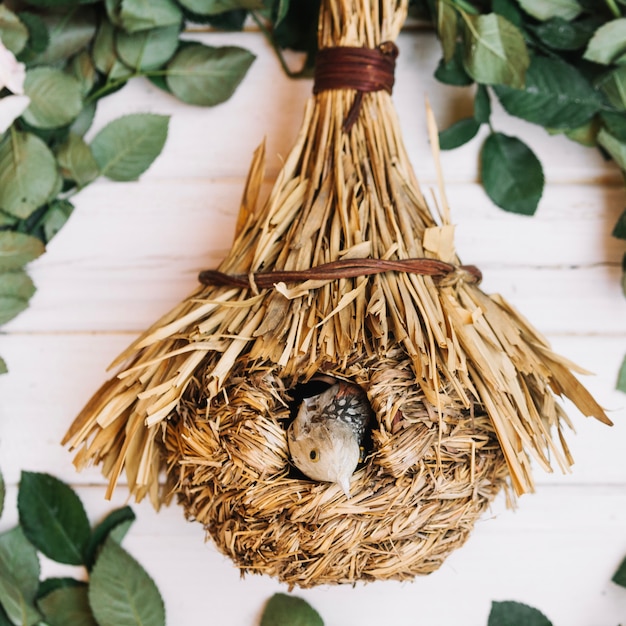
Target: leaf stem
x,y
467,7
268,35
114,84
613,8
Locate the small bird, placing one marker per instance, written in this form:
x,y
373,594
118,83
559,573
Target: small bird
x,y
326,436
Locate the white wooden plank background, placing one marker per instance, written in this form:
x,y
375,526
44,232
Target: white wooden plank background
x,y
133,250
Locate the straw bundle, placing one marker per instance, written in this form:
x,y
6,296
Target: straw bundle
x,y
322,279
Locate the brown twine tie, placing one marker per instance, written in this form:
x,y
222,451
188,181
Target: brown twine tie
x,y
363,69
344,268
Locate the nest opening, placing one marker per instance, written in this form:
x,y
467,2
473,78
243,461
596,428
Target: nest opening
x,y
314,387
429,472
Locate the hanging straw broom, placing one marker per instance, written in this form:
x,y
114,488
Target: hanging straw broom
x,y
344,272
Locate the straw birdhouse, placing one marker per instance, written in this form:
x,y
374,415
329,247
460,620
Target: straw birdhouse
x,y
343,273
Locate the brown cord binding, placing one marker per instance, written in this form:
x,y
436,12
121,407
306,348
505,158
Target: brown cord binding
x,y
345,268
363,69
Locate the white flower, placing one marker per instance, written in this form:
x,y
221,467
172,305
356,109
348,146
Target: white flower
x,y
12,72
11,107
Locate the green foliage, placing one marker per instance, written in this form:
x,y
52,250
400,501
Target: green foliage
x,y
207,76
459,133
121,593
27,174
495,52
16,289
118,591
619,578
126,147
55,98
516,614
555,95
621,386
560,64
285,610
53,518
76,53
511,174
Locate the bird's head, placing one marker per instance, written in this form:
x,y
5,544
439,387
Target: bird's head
x,y
324,451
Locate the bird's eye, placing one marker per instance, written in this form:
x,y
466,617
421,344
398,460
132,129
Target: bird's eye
x,y
314,455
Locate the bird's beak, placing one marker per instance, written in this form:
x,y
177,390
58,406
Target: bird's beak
x,y
344,483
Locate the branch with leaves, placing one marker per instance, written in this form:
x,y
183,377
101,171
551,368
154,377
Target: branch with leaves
x,y
115,588
58,59
558,64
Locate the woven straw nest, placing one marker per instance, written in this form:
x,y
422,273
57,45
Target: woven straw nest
x,y
462,387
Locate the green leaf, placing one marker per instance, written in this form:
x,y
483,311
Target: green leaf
x,y
83,70
18,249
11,307
619,231
53,517
613,85
27,174
560,34
67,606
511,173
509,10
51,584
206,76
615,123
127,146
76,161
587,134
453,72
7,220
546,9
494,51
281,11
13,33
620,574
121,593
84,120
55,97
137,15
215,7
38,35
608,42
16,283
619,578
516,614
104,52
113,9
19,577
57,215
556,95
286,610
615,147
114,525
148,49
459,133
16,289
447,29
482,105
70,32
3,366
